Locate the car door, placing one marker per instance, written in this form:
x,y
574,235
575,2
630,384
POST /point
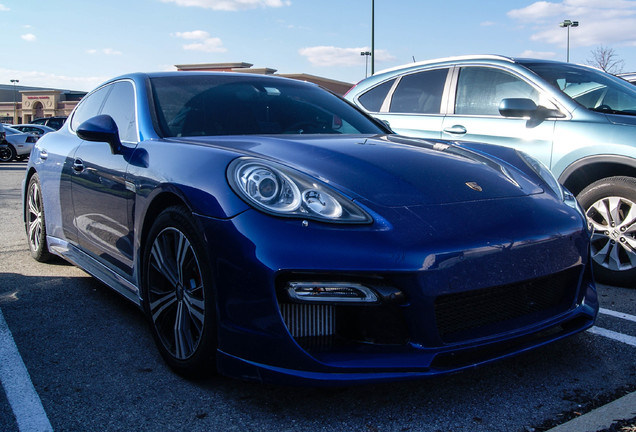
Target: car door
x,y
414,103
475,115
66,146
102,199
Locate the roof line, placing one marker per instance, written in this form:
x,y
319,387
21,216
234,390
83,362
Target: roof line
x,y
447,59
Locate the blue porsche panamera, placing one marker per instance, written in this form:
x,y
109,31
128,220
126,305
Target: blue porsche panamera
x,y
271,231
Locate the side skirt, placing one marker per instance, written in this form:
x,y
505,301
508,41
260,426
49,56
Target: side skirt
x,y
100,272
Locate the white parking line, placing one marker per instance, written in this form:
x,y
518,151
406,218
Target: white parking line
x,y
617,314
14,377
627,339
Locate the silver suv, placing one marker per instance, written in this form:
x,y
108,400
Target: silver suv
x,y
579,121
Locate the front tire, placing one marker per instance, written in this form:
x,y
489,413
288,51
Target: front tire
x,y
178,296
7,153
35,221
610,208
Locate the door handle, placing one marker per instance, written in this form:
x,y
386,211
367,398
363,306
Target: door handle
x,y
78,165
455,130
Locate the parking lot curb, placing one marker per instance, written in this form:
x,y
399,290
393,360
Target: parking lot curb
x,y
603,417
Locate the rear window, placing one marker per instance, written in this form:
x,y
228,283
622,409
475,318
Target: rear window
x,y
373,99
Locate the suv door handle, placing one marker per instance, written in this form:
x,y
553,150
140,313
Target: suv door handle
x,y
78,165
455,130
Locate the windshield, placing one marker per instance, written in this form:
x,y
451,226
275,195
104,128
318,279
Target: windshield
x,y
593,89
205,105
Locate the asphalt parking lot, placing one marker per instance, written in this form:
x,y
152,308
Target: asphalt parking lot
x,y
91,364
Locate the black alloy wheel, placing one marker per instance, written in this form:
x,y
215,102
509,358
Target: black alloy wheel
x,y
35,221
7,153
178,298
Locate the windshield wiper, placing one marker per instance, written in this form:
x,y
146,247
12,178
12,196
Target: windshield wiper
x,y
608,110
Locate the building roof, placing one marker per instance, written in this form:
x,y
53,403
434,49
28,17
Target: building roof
x,y
339,87
6,91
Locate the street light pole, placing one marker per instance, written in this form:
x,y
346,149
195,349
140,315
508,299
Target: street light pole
x,y
567,24
15,103
366,55
372,37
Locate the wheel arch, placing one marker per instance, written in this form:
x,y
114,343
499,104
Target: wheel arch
x,y
586,171
158,204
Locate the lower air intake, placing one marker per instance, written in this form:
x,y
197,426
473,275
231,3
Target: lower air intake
x,y
312,326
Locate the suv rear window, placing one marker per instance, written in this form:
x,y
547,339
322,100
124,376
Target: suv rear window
x,y
374,98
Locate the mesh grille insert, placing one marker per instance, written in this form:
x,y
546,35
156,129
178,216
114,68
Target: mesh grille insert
x,y
486,311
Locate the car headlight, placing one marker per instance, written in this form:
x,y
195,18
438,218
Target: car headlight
x,y
281,191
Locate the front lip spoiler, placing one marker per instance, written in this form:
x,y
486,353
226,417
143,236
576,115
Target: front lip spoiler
x,y
445,362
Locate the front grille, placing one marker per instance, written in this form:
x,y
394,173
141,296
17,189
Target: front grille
x,y
494,310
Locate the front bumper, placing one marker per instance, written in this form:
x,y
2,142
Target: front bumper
x,y
469,297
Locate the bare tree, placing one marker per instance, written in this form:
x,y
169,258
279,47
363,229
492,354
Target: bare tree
x,y
605,58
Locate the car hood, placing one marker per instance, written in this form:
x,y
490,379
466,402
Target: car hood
x,y
389,170
621,119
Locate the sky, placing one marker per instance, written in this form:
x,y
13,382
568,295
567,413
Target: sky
x,y
77,44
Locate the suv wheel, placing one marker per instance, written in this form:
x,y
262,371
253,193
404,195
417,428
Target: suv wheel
x,y
610,208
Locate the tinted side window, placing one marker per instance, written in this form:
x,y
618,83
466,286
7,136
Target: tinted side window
x,y
120,105
89,107
373,99
420,93
480,90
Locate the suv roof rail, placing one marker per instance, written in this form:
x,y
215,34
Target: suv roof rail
x,y
448,59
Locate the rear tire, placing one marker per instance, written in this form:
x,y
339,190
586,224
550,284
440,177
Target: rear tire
x,y
610,208
7,153
35,222
178,295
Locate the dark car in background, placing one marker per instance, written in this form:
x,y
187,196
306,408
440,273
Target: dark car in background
x,y
274,232
54,122
579,121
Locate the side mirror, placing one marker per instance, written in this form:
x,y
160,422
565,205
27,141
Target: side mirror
x,y
384,123
518,107
101,128
521,107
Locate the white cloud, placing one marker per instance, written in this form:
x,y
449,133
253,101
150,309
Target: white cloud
x,y
538,54
598,21
208,45
29,37
197,34
3,8
204,42
335,56
44,79
105,51
230,5
487,23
